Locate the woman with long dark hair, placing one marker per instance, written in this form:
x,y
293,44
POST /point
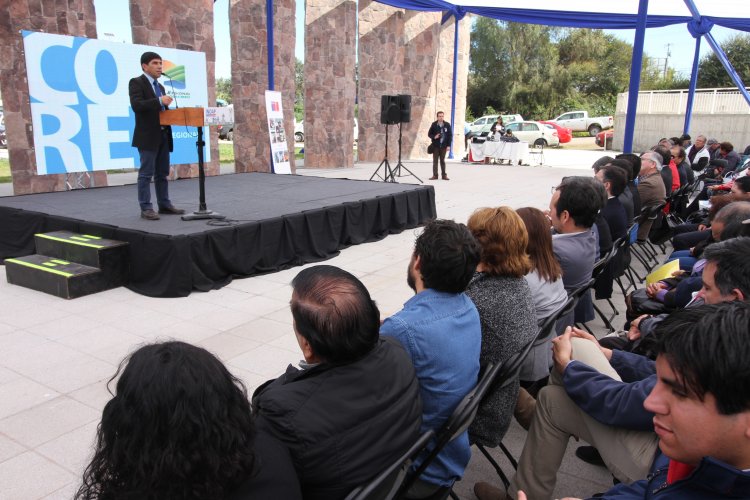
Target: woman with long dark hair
x,y
179,426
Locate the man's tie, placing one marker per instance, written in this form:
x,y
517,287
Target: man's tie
x,y
157,91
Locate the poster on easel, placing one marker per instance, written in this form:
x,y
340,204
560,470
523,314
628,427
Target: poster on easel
x,y
277,134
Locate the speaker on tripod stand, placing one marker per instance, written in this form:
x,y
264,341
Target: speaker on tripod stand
x,y
394,110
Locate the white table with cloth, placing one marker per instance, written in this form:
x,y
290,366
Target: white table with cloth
x,y
500,150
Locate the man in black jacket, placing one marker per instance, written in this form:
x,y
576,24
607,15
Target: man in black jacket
x,y
441,135
353,405
154,141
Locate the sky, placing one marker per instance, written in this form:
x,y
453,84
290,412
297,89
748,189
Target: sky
x,y
113,23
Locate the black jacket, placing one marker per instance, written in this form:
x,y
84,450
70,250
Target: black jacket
x,y
343,424
146,106
446,131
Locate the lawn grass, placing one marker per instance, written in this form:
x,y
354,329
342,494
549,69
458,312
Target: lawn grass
x,y
226,153
4,170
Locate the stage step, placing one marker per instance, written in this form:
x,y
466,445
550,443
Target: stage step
x,y
71,265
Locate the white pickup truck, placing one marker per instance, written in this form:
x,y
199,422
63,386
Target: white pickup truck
x,y
579,121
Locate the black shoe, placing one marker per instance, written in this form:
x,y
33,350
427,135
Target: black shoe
x,y
149,215
590,455
171,210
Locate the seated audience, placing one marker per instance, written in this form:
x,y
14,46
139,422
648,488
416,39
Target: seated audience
x,y
727,153
547,289
687,176
573,210
685,141
613,213
441,331
506,310
635,162
669,173
353,405
713,148
179,426
698,154
602,396
651,188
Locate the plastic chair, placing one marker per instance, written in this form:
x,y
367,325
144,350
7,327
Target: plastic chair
x,y
385,485
456,424
510,371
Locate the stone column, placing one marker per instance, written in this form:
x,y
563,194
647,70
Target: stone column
x,y
184,25
408,52
330,41
73,17
249,42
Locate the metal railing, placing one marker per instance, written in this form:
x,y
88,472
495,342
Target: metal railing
x,y
707,101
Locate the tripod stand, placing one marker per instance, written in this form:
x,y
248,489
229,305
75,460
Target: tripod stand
x,y
387,170
397,171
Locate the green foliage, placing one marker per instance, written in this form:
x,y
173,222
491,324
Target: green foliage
x,y
299,90
468,115
226,153
224,89
540,72
711,72
5,170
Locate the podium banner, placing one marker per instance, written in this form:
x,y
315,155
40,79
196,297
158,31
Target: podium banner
x,y
277,134
80,106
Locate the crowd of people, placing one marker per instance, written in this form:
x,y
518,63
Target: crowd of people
x,y
664,403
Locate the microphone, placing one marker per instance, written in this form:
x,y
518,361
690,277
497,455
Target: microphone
x,y
174,94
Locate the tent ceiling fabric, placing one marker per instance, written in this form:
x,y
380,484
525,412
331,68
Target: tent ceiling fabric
x,y
620,14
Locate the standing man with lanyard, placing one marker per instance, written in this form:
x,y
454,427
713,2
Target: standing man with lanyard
x,y
154,141
441,135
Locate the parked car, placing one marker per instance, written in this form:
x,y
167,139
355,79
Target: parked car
x,y
3,140
607,136
535,133
564,133
479,124
579,121
299,131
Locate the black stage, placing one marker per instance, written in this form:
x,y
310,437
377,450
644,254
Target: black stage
x,y
276,221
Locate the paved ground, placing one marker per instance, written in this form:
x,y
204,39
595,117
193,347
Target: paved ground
x,y
56,355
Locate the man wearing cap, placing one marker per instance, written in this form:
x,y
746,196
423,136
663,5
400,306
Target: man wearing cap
x,y
713,148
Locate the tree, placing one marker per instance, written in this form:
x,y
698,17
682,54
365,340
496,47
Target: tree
x,y
488,84
224,89
711,72
299,90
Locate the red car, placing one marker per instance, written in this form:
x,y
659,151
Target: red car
x,y
600,138
564,133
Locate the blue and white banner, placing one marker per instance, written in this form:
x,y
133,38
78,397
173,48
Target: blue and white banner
x,y
80,106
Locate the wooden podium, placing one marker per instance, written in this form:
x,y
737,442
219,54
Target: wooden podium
x,y
192,117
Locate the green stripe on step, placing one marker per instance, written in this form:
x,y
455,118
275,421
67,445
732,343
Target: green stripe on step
x,y
72,242
61,262
91,237
49,264
41,268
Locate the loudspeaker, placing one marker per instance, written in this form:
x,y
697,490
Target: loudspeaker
x,y
390,112
404,104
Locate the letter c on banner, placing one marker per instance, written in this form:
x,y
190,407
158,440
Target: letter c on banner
x,y
34,53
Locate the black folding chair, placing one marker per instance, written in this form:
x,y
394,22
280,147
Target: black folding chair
x,y
599,267
385,485
510,370
578,293
456,424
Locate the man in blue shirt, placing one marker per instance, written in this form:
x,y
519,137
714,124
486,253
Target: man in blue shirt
x,y
439,328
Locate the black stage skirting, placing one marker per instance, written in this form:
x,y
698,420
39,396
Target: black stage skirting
x,y
279,221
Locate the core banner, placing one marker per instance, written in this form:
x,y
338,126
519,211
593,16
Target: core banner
x,y
80,107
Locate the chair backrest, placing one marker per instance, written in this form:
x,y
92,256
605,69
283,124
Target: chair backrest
x,y
386,484
650,212
577,293
457,423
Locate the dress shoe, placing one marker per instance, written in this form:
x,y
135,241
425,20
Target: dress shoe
x,y
590,455
433,178
171,210
445,177
485,491
149,215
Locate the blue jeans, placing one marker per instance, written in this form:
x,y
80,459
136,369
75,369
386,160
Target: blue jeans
x,y
154,164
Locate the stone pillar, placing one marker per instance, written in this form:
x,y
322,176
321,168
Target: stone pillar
x,y
330,57
408,52
184,25
249,42
73,17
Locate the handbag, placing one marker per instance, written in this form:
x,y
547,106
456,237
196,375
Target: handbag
x,y
430,149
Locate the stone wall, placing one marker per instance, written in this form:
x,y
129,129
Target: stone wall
x,y
73,17
184,25
408,52
330,89
247,28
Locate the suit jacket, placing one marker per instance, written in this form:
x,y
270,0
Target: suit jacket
x,y
146,106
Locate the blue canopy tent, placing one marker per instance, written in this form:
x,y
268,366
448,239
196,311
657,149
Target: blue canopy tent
x,y
698,15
